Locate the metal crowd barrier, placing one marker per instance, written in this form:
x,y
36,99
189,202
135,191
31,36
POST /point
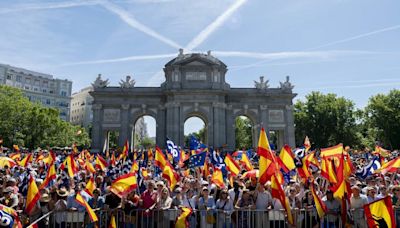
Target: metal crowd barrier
x,y
204,219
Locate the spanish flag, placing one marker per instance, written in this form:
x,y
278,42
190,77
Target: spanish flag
x,y
27,159
89,167
113,160
231,165
307,144
124,184
380,213
319,204
287,158
85,204
390,167
70,163
134,167
113,223
170,174
51,157
278,193
206,170
15,156
101,163
217,178
51,175
125,151
90,186
327,170
160,161
33,195
267,163
150,154
246,162
181,221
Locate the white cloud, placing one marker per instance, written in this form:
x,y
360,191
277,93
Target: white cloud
x,y
49,5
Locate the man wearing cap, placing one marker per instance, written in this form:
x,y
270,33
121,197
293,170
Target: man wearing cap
x,y
357,202
9,199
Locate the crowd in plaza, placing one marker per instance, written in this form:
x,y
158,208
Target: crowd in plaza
x,y
157,199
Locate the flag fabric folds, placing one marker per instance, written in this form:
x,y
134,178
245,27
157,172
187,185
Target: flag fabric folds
x,y
232,165
173,150
246,162
217,178
380,213
124,184
27,159
369,169
9,217
267,162
51,175
113,223
197,159
319,204
85,204
391,166
171,176
33,195
278,193
90,186
287,158
160,159
181,220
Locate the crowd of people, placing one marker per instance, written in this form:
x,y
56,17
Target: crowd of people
x,y
242,202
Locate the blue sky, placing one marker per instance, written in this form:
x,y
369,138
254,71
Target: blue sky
x,y
347,47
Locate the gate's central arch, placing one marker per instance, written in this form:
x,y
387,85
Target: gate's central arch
x,y
194,85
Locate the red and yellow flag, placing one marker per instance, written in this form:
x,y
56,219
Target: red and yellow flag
x,y
246,162
71,165
217,178
319,204
160,161
287,158
125,151
27,159
85,204
33,195
113,161
391,166
134,167
267,163
171,176
231,165
51,175
307,144
181,220
101,163
380,213
278,193
206,170
89,167
124,184
15,156
90,186
51,157
113,223
150,154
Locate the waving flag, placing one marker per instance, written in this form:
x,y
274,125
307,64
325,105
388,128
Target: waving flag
x,y
160,159
287,158
27,159
217,178
369,169
124,184
171,176
267,162
194,143
85,204
246,162
278,193
101,163
391,166
113,223
216,160
33,195
380,213
9,217
232,165
181,221
89,167
125,150
319,204
173,150
307,144
70,163
51,175
90,186
197,159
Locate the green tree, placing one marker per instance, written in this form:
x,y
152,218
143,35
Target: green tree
x,y
147,142
327,120
243,133
32,125
383,117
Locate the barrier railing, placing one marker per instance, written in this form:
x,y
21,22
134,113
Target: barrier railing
x,y
202,218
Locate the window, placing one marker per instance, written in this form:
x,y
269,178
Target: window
x,y
48,101
27,80
37,82
35,89
19,78
9,76
44,90
63,93
51,91
27,87
45,84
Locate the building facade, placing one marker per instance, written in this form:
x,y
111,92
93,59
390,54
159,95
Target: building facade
x,y
39,87
194,86
81,107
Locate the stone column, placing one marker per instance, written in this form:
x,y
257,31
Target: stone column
x,y
219,124
289,131
230,127
97,142
124,132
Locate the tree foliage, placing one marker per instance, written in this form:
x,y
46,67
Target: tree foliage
x,y
33,125
327,120
243,133
383,116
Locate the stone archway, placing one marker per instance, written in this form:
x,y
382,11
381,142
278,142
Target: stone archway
x,y
201,128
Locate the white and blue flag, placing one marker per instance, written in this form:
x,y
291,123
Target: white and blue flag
x,y
173,150
369,169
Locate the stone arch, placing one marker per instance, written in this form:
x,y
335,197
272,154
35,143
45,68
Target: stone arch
x,y
135,117
253,117
201,113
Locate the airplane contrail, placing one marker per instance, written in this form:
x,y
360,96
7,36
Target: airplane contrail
x,y
43,6
123,59
220,20
132,22
204,34
357,37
